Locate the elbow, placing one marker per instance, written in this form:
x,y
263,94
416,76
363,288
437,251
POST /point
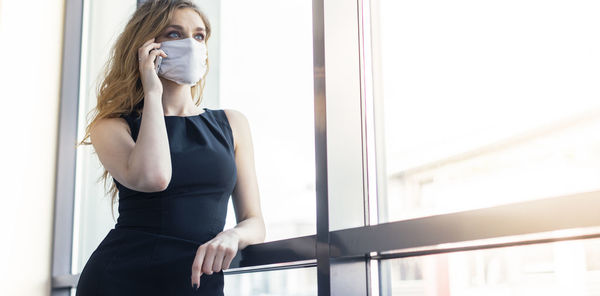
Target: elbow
x,y
160,183
155,182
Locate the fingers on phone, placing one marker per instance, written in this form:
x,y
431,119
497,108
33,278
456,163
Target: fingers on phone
x,y
155,53
152,46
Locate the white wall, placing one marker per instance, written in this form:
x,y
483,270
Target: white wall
x,y
30,46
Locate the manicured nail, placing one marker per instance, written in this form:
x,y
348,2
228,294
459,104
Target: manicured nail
x,y
195,286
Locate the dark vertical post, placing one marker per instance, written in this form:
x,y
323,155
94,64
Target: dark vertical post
x,y
322,251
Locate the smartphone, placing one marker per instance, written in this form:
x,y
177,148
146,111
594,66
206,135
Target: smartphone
x,y
158,62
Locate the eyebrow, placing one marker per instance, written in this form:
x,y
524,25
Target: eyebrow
x,y
181,28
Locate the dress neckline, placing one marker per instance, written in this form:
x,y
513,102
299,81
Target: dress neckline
x,y
187,116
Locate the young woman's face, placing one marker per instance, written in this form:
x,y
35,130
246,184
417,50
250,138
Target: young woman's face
x,y
185,23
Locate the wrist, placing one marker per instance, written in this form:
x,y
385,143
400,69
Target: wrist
x,y
237,234
155,94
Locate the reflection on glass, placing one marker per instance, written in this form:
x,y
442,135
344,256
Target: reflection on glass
x,y
267,74
486,103
287,282
560,268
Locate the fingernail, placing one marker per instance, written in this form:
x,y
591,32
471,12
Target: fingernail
x,y
195,286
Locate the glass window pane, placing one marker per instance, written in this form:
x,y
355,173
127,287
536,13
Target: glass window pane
x,y
266,72
287,282
559,268
486,103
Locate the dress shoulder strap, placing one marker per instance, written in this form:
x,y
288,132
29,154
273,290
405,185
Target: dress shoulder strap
x,y
225,126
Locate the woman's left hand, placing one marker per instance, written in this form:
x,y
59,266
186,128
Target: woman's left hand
x,y
214,255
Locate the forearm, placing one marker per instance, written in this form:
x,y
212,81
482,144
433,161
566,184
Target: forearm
x,y
150,158
250,231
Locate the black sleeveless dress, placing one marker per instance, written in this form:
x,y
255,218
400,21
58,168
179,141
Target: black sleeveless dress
x,y
151,249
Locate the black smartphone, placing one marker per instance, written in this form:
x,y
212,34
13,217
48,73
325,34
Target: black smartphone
x,y
158,62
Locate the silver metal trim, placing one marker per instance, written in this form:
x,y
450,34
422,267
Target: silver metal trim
x,y
65,281
369,180
272,267
67,140
483,246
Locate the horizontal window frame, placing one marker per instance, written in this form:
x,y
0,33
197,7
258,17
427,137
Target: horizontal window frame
x,y
576,211
579,210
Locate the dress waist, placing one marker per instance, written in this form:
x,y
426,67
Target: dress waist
x,y
138,231
195,218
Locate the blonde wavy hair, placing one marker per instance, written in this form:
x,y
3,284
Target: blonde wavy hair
x,y
120,90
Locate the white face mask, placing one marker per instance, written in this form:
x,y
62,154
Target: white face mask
x,y
185,62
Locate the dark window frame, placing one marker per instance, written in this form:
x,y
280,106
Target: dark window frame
x,y
326,249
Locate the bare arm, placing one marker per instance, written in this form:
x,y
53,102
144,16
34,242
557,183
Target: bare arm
x,y
143,165
150,157
217,253
245,197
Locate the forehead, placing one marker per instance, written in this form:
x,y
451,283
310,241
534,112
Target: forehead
x,y
187,18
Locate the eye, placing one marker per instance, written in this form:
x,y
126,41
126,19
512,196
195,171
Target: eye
x,y
201,35
173,34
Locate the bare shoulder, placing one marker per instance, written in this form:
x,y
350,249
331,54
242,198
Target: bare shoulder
x,y
239,125
107,133
104,125
235,115
112,142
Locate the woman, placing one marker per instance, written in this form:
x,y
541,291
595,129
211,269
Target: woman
x,y
174,164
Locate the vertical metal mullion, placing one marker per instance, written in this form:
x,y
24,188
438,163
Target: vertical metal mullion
x,y
367,202
383,270
322,243
371,199
62,245
377,137
340,276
